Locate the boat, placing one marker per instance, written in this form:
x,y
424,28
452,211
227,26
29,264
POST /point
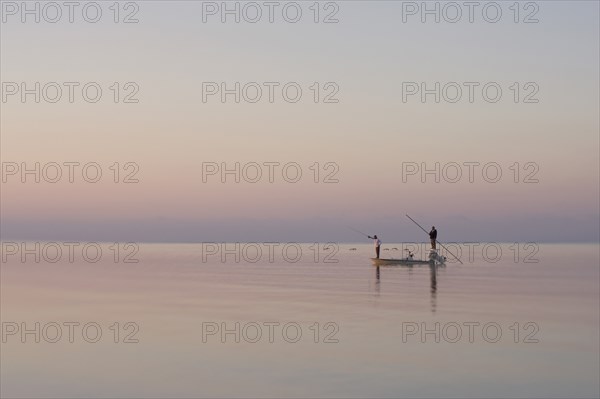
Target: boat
x,y
434,258
405,261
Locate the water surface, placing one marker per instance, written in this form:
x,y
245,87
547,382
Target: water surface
x,y
361,314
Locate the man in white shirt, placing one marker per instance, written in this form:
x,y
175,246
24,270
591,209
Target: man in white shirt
x,y
377,244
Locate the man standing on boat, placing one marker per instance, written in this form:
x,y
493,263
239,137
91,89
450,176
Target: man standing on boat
x,y
433,236
377,244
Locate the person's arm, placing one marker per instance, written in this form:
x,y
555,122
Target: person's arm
x,y
371,237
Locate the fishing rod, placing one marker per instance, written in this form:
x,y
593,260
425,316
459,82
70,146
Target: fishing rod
x,y
359,232
442,245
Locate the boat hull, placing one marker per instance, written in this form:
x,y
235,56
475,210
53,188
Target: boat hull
x,y
383,261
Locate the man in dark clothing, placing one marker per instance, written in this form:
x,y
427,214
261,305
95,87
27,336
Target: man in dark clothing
x,y
433,236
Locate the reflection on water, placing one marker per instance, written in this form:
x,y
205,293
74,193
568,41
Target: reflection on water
x,y
433,280
171,293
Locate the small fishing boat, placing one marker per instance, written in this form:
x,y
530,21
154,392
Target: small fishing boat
x,y
434,258
405,261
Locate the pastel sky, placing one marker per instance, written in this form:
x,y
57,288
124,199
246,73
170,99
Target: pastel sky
x,y
369,134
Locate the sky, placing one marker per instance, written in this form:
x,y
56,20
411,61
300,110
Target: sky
x,y
357,135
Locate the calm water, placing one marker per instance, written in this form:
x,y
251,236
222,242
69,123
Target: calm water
x,y
368,331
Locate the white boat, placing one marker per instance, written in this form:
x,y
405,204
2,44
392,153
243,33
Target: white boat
x,y
434,258
405,261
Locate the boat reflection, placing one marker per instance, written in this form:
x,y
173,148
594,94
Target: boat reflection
x,y
433,286
433,268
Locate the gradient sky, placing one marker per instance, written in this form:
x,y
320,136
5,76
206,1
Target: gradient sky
x,y
369,133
